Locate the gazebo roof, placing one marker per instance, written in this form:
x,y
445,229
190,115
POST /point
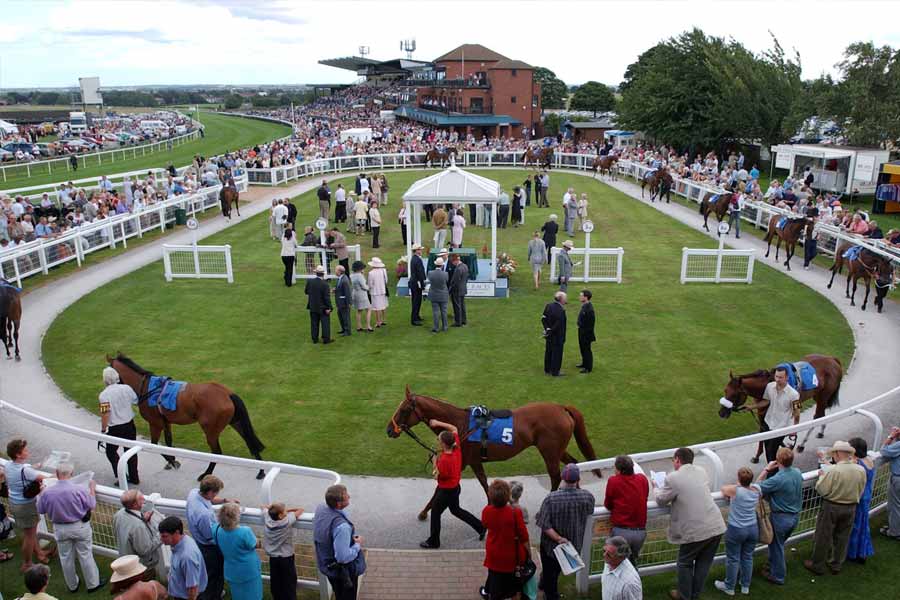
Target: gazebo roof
x,y
453,185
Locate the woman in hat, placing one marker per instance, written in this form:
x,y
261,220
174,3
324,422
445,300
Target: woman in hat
x,y
378,283
360,295
128,581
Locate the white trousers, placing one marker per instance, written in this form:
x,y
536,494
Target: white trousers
x,y
440,238
76,539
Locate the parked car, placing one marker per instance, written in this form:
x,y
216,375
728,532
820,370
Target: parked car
x,y
23,147
46,149
79,145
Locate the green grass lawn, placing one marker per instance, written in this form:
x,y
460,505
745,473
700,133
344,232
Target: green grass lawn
x,y
223,134
663,350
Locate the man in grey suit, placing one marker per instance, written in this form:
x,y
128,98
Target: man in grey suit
x,y
564,265
439,295
458,282
342,297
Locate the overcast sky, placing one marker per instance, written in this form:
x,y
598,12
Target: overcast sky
x,y
232,42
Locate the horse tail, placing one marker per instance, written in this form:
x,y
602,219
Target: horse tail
x,y
835,399
581,436
241,423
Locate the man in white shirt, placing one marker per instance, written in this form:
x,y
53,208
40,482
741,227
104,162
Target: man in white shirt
x,y
783,403
620,580
117,419
340,204
280,215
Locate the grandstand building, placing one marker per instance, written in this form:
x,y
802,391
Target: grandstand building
x,y
470,89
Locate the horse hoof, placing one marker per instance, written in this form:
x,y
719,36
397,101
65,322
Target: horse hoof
x,y
423,515
863,307
820,435
261,474
800,449
755,460
202,475
18,358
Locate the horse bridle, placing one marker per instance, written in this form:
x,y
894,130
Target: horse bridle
x,y
873,273
406,429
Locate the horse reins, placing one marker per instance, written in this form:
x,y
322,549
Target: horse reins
x,y
405,429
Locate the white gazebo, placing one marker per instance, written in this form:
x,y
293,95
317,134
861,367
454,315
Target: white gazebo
x,y
451,186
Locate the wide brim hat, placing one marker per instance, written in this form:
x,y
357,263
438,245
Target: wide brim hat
x,y
320,269
126,567
376,263
568,244
842,446
439,262
417,247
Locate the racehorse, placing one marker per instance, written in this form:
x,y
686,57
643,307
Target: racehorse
x,y
719,206
606,164
227,196
212,405
660,183
546,425
10,316
538,157
828,371
440,155
790,233
868,265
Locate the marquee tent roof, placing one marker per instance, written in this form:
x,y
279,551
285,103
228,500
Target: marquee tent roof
x,y
453,185
7,127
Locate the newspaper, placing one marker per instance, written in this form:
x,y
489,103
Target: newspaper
x,y
568,558
658,478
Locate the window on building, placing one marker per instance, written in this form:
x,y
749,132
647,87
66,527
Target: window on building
x,y
514,72
513,99
534,101
476,105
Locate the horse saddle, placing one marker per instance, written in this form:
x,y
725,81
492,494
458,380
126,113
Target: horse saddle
x,y
801,376
490,426
5,284
852,253
163,392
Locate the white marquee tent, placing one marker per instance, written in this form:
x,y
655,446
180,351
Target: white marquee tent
x,y
7,128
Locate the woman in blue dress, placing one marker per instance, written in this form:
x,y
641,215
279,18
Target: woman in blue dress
x,y
238,544
860,547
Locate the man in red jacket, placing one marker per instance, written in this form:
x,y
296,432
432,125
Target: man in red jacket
x,y
626,500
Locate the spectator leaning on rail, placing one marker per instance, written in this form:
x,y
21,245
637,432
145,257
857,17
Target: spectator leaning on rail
x,y
742,533
187,573
782,485
200,518
562,518
117,420
890,452
19,474
695,523
238,545
626,501
339,553
841,485
278,542
136,529
620,580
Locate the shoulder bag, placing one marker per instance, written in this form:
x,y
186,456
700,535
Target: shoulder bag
x,y
30,488
526,569
764,521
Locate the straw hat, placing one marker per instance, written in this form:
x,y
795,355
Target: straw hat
x,y
417,247
126,567
842,446
568,244
320,269
376,263
439,262
443,252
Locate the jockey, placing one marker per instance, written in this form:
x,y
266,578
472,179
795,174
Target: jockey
x,y
548,141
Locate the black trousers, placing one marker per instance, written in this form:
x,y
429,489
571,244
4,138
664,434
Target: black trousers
x,y
126,431
342,593
810,249
772,445
553,351
503,216
403,232
283,574
215,572
345,262
550,571
459,309
288,269
587,355
344,319
317,320
375,232
415,293
340,212
473,209
444,499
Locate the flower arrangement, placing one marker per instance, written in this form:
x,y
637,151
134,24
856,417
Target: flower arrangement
x,y
402,267
506,265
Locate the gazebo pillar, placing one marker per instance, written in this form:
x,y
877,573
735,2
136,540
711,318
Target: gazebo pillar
x,y
409,241
493,241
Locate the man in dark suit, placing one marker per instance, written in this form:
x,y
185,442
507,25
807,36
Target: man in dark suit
x,y
586,331
416,283
292,213
319,306
342,299
459,278
554,321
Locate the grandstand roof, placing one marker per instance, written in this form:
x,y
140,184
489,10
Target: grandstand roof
x,y
598,124
350,63
507,63
474,52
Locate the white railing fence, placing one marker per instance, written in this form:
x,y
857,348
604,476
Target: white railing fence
x,y
716,265
108,498
310,257
591,264
194,261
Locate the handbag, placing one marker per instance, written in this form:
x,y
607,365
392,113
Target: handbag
x,y
764,521
30,488
526,569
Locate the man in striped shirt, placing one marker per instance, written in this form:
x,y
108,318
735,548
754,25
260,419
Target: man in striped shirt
x,y
620,580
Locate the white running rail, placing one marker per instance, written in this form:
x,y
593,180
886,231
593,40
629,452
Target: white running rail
x,y
591,264
711,265
193,261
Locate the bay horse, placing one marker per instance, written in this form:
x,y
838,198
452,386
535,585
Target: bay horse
x,y
790,234
719,207
827,395
440,155
10,316
868,265
212,405
545,425
227,197
606,164
660,183
538,157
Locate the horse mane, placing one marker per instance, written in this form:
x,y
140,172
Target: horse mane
x,y
436,401
132,365
755,374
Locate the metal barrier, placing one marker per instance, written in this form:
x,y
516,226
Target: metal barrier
x,y
193,261
596,264
310,257
716,265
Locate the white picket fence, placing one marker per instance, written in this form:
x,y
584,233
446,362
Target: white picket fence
x,y
310,257
716,265
591,264
193,261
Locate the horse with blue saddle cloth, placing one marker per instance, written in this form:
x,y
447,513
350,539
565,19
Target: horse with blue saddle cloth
x,y
787,229
865,263
715,203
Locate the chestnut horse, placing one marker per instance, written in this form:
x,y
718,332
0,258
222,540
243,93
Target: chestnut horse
x,y
790,233
546,425
212,405
869,265
227,197
538,157
719,207
828,370
439,155
10,316
660,184
606,164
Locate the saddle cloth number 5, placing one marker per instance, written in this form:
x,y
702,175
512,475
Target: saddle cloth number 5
x,y
507,435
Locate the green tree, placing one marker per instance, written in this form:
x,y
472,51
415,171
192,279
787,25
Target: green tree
x,y
866,102
46,98
233,101
553,89
593,96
